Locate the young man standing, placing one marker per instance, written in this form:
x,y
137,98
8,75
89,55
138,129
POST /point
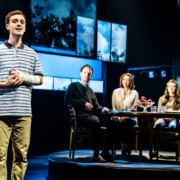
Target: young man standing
x,y
20,68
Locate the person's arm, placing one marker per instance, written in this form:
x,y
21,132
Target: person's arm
x,y
116,102
26,78
31,79
73,96
136,97
159,104
95,102
113,100
136,100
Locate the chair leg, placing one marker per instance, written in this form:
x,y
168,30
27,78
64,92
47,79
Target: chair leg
x,y
178,151
156,147
140,142
114,149
104,134
73,146
157,153
136,142
70,144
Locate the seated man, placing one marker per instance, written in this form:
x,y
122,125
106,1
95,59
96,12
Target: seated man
x,y
87,107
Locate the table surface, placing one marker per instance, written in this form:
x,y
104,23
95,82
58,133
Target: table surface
x,y
142,113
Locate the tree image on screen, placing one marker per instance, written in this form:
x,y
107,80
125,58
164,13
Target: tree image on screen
x,y
49,31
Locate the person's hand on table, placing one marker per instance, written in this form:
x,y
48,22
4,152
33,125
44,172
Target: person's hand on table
x,y
105,110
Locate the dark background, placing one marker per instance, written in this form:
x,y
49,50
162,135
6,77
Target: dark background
x,y
152,40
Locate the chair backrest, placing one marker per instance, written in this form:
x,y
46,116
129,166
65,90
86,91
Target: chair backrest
x,y
75,131
73,121
72,115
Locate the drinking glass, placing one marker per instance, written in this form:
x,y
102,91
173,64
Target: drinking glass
x,y
163,109
153,108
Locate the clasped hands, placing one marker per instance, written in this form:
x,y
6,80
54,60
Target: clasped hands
x,y
14,79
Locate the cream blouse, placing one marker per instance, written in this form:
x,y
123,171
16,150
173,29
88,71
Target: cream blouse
x,y
119,101
169,104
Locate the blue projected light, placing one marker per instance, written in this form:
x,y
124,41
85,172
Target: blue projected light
x,y
47,84
111,41
59,71
103,40
61,83
85,37
66,66
53,24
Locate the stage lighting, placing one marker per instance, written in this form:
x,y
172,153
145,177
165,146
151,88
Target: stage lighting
x,y
163,73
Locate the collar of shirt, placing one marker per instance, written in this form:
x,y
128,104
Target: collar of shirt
x,y
10,45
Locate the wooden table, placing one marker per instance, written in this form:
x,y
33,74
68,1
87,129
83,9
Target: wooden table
x,y
148,117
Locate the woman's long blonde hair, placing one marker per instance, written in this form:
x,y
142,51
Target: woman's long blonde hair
x,y
176,104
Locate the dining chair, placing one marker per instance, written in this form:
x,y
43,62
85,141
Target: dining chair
x,y
168,136
80,132
135,130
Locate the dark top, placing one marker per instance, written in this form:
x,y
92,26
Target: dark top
x,y
78,95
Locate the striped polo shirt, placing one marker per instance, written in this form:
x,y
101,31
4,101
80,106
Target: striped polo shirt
x,y
16,101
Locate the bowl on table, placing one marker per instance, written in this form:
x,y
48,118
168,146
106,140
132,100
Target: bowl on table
x,y
145,104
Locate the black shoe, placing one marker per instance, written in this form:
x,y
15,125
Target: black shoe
x,y
126,151
108,157
154,154
99,158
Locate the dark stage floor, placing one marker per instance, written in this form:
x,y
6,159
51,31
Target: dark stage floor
x,y
123,166
58,166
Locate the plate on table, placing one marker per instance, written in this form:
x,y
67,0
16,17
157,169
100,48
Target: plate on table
x,y
120,111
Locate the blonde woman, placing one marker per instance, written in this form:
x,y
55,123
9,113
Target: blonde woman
x,y
170,99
